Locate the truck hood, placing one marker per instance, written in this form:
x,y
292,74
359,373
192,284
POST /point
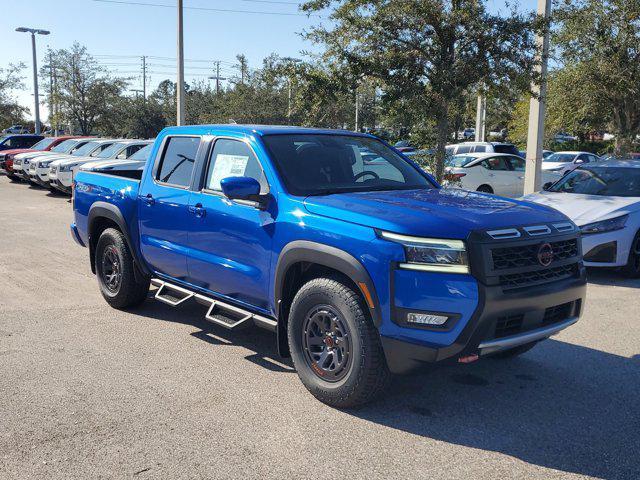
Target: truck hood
x,y
447,212
584,209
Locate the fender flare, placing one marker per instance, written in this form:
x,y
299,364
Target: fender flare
x,y
107,210
331,257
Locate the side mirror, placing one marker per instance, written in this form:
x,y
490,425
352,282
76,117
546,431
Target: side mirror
x,y
241,188
547,186
578,161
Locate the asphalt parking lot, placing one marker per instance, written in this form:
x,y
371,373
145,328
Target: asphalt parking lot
x,y
90,392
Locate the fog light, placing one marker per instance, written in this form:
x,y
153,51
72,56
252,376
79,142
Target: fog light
x,y
426,319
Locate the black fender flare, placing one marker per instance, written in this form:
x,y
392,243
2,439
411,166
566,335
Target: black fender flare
x,y
331,257
107,210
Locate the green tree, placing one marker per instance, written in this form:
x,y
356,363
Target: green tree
x,y
430,52
598,42
11,111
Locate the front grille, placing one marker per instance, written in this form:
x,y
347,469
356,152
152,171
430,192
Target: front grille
x,y
535,277
505,258
508,325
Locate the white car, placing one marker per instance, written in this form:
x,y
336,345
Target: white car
x,y
564,162
499,173
135,162
603,199
481,147
91,150
22,161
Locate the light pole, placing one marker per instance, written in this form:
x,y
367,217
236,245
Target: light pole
x,y
33,32
535,135
180,83
292,61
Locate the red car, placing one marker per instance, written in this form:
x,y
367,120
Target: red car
x,y
43,145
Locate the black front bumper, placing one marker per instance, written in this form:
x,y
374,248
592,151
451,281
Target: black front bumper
x,y
532,304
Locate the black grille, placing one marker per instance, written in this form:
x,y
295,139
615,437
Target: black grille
x,y
527,255
558,313
508,325
517,280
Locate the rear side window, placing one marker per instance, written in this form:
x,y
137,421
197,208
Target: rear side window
x,y
506,148
495,163
177,160
463,149
480,148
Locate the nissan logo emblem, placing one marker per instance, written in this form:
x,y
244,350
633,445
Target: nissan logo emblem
x,y
545,254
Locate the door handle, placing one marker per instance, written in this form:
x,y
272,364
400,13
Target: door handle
x,y
492,175
198,210
149,199
521,177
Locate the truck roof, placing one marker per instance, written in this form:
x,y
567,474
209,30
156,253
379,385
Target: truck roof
x,y
257,129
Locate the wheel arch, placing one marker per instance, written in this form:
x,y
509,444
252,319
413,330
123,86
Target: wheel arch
x,y
103,215
311,258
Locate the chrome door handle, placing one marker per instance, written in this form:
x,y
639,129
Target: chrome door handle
x,y
149,199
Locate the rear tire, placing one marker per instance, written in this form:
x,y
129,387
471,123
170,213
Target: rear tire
x,y
514,352
334,345
632,268
115,271
485,189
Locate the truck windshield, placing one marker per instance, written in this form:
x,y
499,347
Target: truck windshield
x,y
65,147
322,164
42,144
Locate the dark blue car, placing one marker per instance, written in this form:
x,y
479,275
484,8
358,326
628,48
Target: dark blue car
x,y
359,261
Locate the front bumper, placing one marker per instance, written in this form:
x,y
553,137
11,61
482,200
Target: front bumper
x,y
485,333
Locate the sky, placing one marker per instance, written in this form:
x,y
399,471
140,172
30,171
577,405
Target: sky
x,y
119,32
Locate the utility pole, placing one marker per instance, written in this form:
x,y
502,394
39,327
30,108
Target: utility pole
x,y
217,77
144,78
180,94
55,101
481,117
356,129
36,96
51,104
537,105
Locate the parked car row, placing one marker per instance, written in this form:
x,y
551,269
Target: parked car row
x,y
53,161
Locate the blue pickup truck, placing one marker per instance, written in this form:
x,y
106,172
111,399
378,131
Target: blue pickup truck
x,y
358,260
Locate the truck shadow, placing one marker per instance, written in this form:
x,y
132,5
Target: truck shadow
x,y
260,341
611,277
560,406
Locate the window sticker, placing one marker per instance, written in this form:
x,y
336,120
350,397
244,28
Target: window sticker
x,y
227,166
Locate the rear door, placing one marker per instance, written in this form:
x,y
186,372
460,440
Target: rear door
x,y
518,165
499,175
230,241
163,206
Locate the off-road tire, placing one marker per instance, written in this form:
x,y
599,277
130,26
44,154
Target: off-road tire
x,y
129,291
367,374
514,352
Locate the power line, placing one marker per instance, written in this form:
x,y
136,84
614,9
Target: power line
x,y
208,9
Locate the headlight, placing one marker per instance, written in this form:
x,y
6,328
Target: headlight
x,y
431,254
610,225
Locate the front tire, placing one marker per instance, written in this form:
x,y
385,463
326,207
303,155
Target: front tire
x,y
632,268
115,271
485,189
334,345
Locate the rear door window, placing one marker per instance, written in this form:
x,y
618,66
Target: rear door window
x,y
463,149
496,163
178,158
506,148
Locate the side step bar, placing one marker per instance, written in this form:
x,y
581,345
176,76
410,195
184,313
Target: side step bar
x,y
220,313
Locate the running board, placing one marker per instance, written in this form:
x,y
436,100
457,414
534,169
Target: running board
x,y
220,313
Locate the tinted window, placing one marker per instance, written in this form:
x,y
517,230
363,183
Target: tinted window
x,y
517,164
233,158
560,157
320,164
619,182
85,149
143,153
463,149
480,148
100,149
459,160
131,149
496,163
111,150
506,148
177,161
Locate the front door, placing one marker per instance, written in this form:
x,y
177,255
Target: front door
x,y
163,207
230,242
